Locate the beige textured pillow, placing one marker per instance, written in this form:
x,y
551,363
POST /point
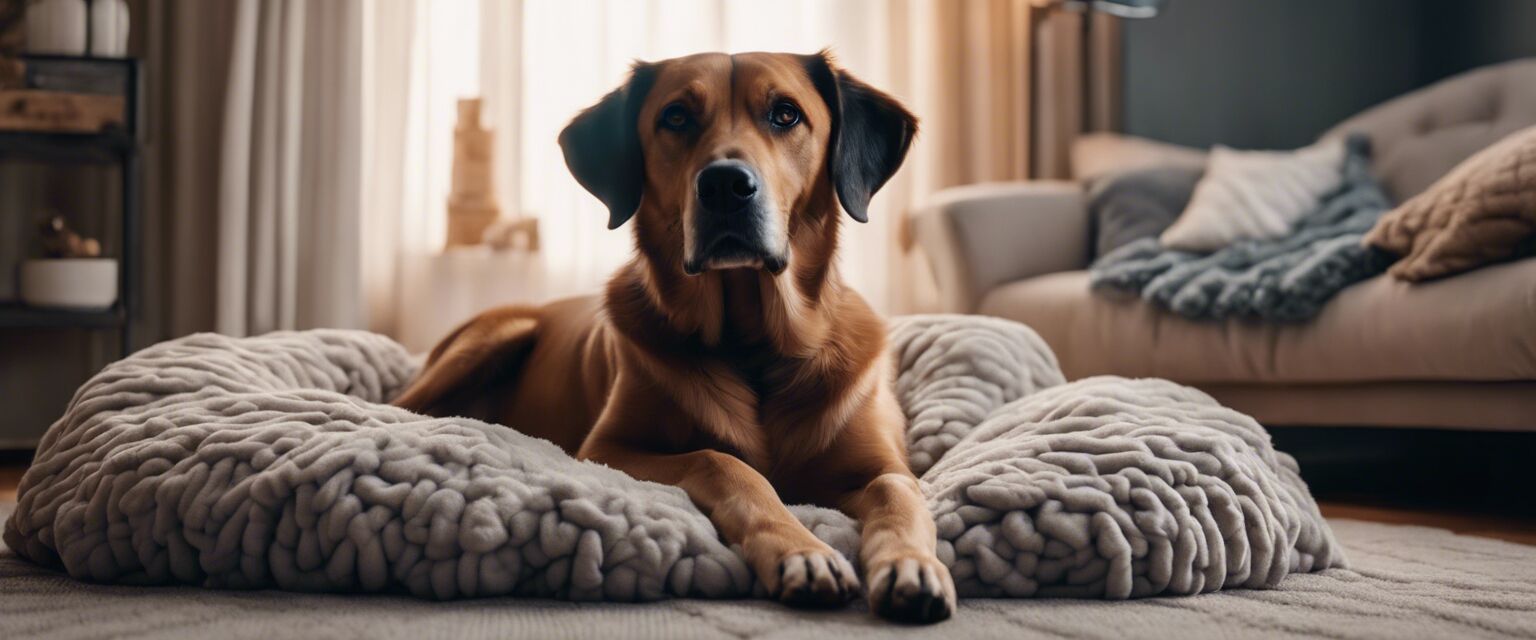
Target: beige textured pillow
x,y
1483,211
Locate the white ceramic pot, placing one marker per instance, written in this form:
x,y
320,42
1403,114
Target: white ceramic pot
x,y
109,28
57,27
73,283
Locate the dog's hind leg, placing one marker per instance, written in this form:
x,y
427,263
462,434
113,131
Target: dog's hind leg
x,y
492,344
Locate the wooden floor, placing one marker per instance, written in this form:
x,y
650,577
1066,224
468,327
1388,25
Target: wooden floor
x,y
1503,528
1518,530
10,476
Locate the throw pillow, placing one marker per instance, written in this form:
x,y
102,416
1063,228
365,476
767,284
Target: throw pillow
x,y
1139,204
1255,194
1483,211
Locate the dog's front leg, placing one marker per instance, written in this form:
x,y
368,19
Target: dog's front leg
x,y
793,565
905,579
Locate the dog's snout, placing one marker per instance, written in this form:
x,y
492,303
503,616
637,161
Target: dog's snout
x,y
726,186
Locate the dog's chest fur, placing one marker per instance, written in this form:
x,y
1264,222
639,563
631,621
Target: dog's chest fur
x,y
748,395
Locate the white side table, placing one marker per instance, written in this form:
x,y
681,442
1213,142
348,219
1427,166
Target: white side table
x,y
438,292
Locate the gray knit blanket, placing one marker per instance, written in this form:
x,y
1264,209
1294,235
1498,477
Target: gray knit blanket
x,y
1285,279
271,462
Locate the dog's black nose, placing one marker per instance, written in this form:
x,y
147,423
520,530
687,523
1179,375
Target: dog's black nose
x,y
726,186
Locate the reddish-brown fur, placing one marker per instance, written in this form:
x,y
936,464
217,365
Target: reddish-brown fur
x,y
745,388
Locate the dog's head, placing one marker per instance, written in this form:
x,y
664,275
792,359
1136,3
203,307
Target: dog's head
x,y
727,157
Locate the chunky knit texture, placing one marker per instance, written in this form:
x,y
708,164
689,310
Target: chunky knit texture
x,y
271,462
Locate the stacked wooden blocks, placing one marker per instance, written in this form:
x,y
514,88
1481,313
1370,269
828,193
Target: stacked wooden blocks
x,y
472,204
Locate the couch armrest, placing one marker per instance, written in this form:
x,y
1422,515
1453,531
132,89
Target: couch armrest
x,y
980,236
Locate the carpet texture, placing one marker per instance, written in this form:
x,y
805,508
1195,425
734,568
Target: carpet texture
x,y
1404,582
268,462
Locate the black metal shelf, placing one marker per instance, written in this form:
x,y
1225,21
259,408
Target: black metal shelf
x,y
20,316
118,146
107,147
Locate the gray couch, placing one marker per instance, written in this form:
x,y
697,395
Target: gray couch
x,y
1454,353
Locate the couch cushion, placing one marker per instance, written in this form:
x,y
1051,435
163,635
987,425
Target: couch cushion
x,y
1103,154
1474,327
1419,136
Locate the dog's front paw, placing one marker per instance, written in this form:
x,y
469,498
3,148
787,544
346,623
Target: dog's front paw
x,y
911,588
813,578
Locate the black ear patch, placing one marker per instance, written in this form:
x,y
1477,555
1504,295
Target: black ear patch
x,y
871,133
602,147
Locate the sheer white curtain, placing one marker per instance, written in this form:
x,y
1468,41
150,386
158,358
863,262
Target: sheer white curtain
x,y
961,66
420,57
288,211
537,64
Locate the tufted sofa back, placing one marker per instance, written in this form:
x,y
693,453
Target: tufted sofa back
x,y
1418,137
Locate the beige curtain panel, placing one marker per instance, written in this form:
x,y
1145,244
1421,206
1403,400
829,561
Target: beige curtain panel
x,y
254,165
289,211
978,125
1076,63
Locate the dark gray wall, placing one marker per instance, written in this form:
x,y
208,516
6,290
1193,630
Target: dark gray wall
x,y
1464,35
1276,73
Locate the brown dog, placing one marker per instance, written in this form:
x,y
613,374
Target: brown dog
x,y
727,358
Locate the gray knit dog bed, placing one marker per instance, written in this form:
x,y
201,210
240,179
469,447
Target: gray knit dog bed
x,y
271,462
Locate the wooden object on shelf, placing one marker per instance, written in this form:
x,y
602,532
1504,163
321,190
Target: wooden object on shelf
x,y
60,241
518,234
472,204
32,110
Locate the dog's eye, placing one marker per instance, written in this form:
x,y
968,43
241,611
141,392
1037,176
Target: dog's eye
x,y
675,117
784,115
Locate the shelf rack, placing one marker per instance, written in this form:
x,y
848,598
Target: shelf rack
x,y
118,147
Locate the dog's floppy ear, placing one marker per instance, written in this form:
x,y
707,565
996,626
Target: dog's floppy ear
x,y
602,146
871,132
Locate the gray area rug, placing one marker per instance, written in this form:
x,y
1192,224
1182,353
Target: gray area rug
x,y
1405,582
